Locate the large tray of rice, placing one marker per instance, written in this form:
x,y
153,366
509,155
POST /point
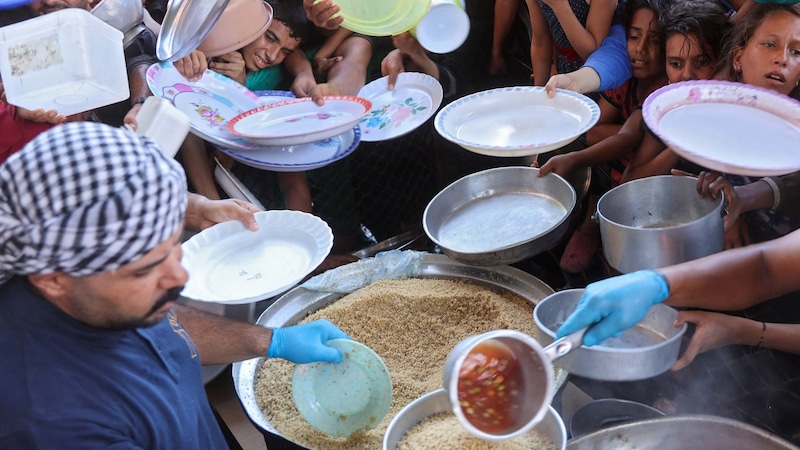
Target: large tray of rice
x,y
412,323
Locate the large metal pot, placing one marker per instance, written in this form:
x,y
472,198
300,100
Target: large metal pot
x,y
681,432
656,222
299,302
499,216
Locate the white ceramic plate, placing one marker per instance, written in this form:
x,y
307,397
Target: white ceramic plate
x,y
516,121
731,127
414,99
345,398
209,102
299,121
229,264
299,158
235,142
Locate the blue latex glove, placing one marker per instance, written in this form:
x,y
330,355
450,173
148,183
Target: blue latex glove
x,y
615,304
305,343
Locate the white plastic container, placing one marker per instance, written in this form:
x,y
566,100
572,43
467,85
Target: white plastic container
x,y
68,60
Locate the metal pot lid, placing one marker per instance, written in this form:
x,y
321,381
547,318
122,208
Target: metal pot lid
x,y
186,23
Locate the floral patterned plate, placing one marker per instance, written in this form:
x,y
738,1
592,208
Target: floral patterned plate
x,y
301,157
235,142
731,127
209,102
516,121
299,121
414,99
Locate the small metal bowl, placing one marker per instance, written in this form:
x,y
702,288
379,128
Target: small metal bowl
x,y
537,376
438,402
643,351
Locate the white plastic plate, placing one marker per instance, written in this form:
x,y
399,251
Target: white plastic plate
x,y
228,263
299,158
414,99
299,121
209,103
516,121
731,127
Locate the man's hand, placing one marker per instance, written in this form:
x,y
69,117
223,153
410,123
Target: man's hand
x,y
305,343
39,115
202,212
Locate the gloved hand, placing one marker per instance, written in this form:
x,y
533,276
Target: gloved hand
x,y
305,343
779,2
615,304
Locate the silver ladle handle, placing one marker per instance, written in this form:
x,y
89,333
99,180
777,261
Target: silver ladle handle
x,y
566,344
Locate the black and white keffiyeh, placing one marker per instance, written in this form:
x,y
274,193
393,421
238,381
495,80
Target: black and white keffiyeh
x,y
85,198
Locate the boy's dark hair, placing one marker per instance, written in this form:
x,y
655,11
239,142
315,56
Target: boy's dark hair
x,y
292,14
704,19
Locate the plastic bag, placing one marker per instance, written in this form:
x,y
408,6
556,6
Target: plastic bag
x,y
383,266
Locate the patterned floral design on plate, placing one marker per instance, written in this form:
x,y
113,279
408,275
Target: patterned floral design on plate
x,y
392,115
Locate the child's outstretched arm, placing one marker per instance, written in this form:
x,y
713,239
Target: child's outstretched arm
x,y
584,39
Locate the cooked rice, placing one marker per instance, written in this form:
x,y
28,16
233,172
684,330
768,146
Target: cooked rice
x,y
412,324
443,432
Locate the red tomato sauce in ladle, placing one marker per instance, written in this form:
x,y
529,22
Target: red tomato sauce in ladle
x,y
490,389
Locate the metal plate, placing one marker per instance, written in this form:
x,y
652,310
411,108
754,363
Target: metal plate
x,y
499,216
296,304
186,23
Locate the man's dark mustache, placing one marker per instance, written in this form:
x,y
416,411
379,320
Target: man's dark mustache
x,y
169,296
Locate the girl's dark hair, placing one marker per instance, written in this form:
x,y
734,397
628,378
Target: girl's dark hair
x,y
292,14
741,33
704,19
631,6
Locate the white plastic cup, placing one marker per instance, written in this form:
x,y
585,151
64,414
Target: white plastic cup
x,y
164,123
444,28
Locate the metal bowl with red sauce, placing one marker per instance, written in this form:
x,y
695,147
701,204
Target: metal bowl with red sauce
x,y
499,384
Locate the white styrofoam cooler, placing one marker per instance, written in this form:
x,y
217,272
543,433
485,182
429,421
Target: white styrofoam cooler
x,y
68,60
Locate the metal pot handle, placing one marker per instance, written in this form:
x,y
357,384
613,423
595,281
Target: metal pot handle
x,y
565,345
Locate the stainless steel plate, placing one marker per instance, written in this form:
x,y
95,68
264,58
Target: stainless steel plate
x,y
299,302
186,23
499,216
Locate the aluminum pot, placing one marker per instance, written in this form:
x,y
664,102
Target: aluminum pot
x,y
438,402
606,412
657,222
648,349
296,304
499,216
681,432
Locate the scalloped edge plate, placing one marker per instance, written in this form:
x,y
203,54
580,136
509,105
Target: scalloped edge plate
x,y
516,121
726,126
264,98
228,263
300,120
303,156
209,103
414,99
345,398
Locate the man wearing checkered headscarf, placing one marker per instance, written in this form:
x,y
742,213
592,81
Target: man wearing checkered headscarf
x,y
94,355
86,198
